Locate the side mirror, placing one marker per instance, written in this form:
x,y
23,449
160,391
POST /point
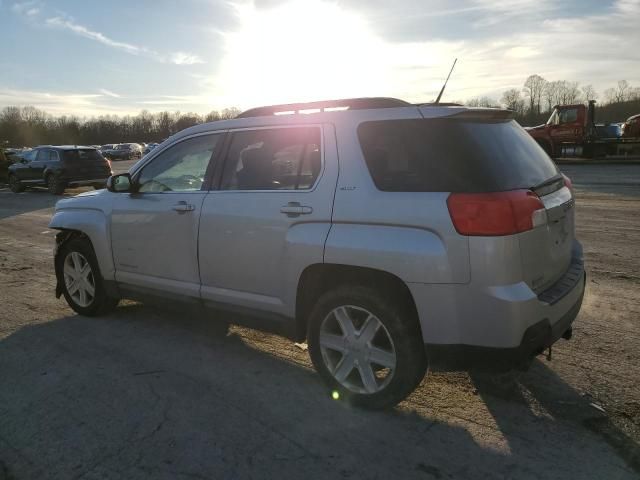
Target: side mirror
x,y
121,183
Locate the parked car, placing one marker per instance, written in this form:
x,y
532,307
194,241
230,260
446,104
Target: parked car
x,y
58,168
149,147
105,148
4,166
390,236
124,151
631,128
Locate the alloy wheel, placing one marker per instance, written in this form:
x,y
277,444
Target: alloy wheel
x,y
357,349
79,279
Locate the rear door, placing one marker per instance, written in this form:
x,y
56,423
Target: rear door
x,y
269,218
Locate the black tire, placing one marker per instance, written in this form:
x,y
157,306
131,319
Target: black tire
x,y
402,326
102,302
15,185
55,185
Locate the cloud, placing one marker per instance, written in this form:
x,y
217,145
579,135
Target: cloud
x,y
183,58
29,8
96,36
64,23
60,103
109,93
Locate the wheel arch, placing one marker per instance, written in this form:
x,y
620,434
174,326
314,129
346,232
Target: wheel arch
x,y
93,225
319,278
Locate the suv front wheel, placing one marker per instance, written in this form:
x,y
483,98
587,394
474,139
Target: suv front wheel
x,y
366,346
15,185
82,284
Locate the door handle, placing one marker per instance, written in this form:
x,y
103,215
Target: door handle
x,y
183,207
294,209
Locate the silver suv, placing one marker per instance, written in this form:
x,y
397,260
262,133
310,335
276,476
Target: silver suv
x,y
392,237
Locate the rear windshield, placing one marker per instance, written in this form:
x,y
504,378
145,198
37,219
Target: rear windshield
x,y
83,155
449,155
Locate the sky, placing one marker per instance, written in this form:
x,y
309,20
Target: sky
x,y
92,58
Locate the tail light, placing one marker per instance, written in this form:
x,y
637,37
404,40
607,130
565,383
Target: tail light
x,y
495,214
567,182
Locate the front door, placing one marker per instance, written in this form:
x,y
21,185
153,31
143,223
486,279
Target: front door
x,y
154,231
270,216
568,127
23,169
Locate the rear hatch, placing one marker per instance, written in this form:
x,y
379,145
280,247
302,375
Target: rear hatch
x,y
85,164
491,162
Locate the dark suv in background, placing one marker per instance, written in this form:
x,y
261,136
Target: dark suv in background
x,y
124,151
58,168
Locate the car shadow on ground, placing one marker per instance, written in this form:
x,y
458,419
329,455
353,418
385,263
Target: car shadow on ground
x,y
146,394
549,397
32,199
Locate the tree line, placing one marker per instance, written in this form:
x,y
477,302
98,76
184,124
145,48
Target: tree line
x,y
29,126
534,102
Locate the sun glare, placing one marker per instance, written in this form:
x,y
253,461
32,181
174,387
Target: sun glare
x,y
299,51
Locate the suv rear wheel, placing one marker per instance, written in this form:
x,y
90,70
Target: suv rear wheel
x,y
55,185
82,284
15,185
366,346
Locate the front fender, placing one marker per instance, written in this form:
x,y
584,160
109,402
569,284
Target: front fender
x,y
93,223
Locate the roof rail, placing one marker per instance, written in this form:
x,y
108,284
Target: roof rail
x,y
433,104
323,106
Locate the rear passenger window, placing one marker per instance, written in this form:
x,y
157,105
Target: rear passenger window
x,y
273,159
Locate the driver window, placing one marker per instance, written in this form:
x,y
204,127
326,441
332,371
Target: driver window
x,y
30,156
569,116
180,168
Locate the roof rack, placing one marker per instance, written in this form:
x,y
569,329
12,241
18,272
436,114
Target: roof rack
x,y
325,106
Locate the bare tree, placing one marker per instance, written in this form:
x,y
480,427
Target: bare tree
x,y
589,92
568,92
551,91
533,88
512,100
481,102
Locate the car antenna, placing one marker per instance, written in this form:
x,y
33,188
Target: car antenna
x,y
445,83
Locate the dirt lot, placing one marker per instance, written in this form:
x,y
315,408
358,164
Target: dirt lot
x,y
146,394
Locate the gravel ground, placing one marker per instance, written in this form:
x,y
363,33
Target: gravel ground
x,y
148,394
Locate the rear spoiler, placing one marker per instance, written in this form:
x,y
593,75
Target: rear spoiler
x,y
484,114
460,112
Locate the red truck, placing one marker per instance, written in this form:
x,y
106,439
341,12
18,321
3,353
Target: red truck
x,y
571,131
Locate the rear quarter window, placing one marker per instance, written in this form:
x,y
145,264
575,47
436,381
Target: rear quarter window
x,y
81,155
452,155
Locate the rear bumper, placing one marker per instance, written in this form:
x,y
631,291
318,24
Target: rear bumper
x,y
496,327
535,340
